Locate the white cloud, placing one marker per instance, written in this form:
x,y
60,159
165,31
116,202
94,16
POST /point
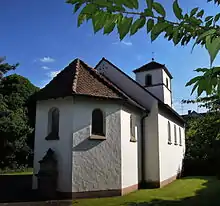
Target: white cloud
x,y
47,60
126,43
45,67
52,74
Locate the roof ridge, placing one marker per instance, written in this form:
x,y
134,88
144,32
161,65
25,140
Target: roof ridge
x,y
159,101
103,78
76,75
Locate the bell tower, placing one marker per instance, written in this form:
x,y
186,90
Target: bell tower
x,y
156,78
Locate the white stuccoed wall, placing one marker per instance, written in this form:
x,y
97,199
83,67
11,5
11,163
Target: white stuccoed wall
x,y
129,150
167,92
96,164
151,151
157,77
171,156
62,147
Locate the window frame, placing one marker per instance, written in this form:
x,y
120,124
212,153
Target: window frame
x,y
147,78
180,137
133,128
175,135
169,132
53,124
99,133
167,82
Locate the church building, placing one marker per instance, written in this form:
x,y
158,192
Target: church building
x,y
110,134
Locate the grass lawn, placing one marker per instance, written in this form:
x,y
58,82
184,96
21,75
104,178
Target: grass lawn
x,y
187,191
29,171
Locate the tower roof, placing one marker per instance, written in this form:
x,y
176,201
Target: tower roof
x,y
153,66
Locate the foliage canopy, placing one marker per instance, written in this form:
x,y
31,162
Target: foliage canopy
x,y
127,17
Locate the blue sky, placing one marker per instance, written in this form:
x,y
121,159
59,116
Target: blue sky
x,y
43,37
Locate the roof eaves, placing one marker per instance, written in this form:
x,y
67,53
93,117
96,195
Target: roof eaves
x,y
140,69
76,76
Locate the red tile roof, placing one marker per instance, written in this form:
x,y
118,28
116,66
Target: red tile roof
x,y
79,79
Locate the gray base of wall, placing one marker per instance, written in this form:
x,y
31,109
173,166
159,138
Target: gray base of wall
x,y
117,192
157,184
98,194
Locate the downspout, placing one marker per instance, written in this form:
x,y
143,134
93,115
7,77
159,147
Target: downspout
x,y
143,183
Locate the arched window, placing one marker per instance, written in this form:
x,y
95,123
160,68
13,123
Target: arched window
x,y
180,136
169,133
175,135
97,122
148,80
53,124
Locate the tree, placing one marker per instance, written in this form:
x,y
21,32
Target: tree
x,y
202,145
211,103
16,131
126,17
5,67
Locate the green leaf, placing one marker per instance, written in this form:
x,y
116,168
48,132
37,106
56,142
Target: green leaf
x,y
148,12
89,9
76,8
208,18
217,17
216,70
135,3
176,37
139,23
158,29
149,4
201,13
194,87
72,1
207,33
81,19
110,24
213,47
101,3
193,80
177,10
124,26
98,20
193,12
150,24
131,4
159,8
202,86
203,35
208,23
201,70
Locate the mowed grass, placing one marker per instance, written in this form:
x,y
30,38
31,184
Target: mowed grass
x,y
28,171
186,191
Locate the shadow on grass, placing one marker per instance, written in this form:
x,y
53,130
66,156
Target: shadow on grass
x,y
209,195
16,188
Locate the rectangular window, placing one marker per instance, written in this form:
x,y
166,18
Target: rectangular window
x,y
169,133
132,128
180,136
175,135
